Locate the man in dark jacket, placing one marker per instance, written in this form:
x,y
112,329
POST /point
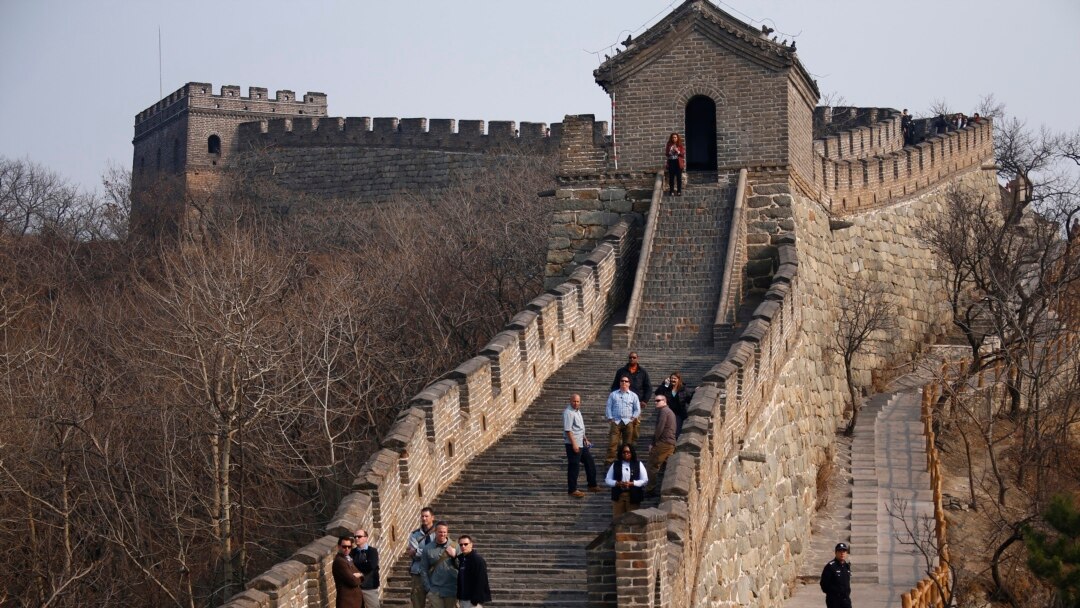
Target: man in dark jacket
x,y
346,577
639,378
366,559
836,580
472,580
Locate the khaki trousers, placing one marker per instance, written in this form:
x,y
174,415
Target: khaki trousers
x,y
371,598
439,601
619,434
623,505
658,455
418,595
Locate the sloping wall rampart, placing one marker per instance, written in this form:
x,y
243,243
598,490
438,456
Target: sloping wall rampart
x,y
453,420
853,133
740,490
848,184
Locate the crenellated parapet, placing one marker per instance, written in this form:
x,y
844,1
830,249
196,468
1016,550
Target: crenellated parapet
x,y
390,132
851,133
845,184
200,95
453,420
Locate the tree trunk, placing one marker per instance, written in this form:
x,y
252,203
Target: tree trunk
x,y
1000,591
853,394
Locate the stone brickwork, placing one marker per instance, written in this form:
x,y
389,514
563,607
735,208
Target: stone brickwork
x,y
184,142
685,267
367,174
847,183
763,96
455,419
738,526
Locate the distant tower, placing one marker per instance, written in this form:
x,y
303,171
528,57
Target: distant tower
x,y
182,141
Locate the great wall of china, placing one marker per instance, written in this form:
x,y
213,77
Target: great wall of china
x,y
793,205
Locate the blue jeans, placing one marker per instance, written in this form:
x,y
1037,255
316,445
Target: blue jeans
x,y
573,467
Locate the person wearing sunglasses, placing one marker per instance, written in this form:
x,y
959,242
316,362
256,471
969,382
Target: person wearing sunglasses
x,y
473,590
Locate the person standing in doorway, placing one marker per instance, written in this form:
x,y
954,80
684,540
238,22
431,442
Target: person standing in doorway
x,y
836,579
675,153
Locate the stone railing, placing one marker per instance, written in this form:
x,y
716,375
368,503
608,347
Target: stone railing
x,y
623,333
731,289
452,421
847,185
656,552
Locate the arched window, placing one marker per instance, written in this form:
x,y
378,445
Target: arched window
x,y
213,144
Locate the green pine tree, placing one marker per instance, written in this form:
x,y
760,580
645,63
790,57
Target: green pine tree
x,y
1054,555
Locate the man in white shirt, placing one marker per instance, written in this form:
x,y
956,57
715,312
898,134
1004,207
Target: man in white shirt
x,y
578,449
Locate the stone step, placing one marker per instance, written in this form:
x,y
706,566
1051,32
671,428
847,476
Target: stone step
x,y
512,498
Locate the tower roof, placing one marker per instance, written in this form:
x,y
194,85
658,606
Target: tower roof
x,y
725,30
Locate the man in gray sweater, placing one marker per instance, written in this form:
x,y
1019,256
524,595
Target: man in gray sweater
x,y
663,443
439,568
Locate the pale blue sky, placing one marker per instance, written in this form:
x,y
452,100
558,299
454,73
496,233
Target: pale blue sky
x,y
75,73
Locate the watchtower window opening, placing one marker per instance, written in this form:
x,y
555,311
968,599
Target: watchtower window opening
x,y
213,144
700,134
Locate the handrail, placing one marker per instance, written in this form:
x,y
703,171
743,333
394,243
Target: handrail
x,y
725,311
623,333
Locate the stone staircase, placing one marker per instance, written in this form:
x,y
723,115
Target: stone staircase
x,y
512,499
886,464
686,266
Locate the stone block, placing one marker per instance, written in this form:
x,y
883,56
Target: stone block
x,y
612,194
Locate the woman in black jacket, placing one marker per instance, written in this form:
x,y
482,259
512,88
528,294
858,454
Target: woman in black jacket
x,y
678,398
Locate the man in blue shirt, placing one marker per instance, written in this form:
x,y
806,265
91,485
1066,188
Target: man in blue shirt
x,y
624,415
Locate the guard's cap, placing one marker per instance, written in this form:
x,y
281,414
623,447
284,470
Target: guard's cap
x,y
841,547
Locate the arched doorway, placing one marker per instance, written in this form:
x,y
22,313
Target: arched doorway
x,y
700,134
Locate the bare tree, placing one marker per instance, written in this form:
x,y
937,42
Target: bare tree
x,y
864,311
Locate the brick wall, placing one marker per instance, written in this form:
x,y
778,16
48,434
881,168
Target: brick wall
x,y
737,527
455,419
855,182
751,107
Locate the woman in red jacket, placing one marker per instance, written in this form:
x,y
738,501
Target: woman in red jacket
x,y
675,153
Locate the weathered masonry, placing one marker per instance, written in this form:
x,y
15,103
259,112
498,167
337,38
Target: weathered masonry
x,y
788,207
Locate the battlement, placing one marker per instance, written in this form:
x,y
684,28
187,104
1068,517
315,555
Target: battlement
x,y
200,95
851,133
848,184
391,132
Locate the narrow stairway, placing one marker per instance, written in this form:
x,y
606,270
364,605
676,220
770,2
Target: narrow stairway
x,y
512,499
886,465
686,266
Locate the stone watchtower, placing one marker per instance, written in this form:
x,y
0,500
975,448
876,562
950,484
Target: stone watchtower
x,y
183,139
742,100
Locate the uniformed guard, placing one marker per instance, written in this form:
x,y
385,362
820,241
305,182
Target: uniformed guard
x,y
836,579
